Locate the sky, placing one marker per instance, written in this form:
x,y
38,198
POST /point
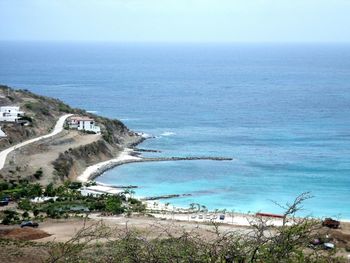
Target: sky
x,y
175,20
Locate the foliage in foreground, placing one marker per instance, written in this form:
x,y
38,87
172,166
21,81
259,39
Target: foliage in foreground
x,y
66,200
260,243
131,246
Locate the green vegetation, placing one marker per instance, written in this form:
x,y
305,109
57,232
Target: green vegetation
x,y
19,190
64,162
114,205
24,204
260,243
38,174
288,243
37,108
41,115
10,217
64,107
62,201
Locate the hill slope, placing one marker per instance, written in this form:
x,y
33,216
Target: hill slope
x,y
65,155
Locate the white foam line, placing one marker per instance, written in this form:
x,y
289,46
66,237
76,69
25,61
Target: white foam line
x,y
96,168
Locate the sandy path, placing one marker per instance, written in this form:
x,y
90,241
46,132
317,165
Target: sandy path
x,y
57,129
63,230
55,145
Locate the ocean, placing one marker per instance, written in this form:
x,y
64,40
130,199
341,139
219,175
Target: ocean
x,y
281,111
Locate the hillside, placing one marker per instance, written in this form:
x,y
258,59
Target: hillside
x,y
65,155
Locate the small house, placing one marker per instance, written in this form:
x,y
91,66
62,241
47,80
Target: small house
x,y
10,114
83,124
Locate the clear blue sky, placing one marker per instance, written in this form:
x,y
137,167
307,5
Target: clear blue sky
x,y
176,20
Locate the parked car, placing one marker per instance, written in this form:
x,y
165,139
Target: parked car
x,y
331,223
4,202
222,217
29,224
200,216
328,245
193,216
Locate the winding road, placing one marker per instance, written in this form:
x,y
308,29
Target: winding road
x,y
57,129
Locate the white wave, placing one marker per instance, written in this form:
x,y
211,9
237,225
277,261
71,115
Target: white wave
x,y
128,119
168,133
145,135
92,111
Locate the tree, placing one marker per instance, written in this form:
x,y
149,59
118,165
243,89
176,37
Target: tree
x,y
35,190
129,192
259,243
50,190
114,205
25,215
24,204
10,217
36,212
193,205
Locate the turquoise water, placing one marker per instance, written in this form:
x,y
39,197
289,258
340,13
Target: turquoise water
x,y
281,111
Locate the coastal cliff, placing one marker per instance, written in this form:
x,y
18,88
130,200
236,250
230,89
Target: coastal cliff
x,y
64,156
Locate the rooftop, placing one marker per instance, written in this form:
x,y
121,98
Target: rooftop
x,y
81,118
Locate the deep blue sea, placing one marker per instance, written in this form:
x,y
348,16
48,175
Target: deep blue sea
x,y
282,111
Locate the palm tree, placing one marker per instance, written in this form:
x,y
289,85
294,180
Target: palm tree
x,y
193,205
129,192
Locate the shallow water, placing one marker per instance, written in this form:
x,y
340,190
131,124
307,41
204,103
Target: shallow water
x,y
281,111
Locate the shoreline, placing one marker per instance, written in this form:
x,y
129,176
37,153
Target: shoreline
x,y
93,171
129,155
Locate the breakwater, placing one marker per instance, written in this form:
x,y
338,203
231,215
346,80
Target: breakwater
x,y
113,164
150,198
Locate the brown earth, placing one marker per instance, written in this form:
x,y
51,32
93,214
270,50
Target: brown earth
x,y
43,111
24,162
62,230
25,233
64,156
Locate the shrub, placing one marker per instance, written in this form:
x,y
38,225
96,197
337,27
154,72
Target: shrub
x,y
53,212
63,164
36,212
25,215
114,205
75,185
24,204
260,243
50,190
26,118
11,98
11,217
4,186
38,174
64,108
34,190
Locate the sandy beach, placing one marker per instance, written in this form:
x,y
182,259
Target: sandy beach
x,y
97,169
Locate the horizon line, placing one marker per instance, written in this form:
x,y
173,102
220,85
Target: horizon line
x,y
173,42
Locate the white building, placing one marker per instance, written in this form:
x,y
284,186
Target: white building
x,y
83,124
10,113
2,134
